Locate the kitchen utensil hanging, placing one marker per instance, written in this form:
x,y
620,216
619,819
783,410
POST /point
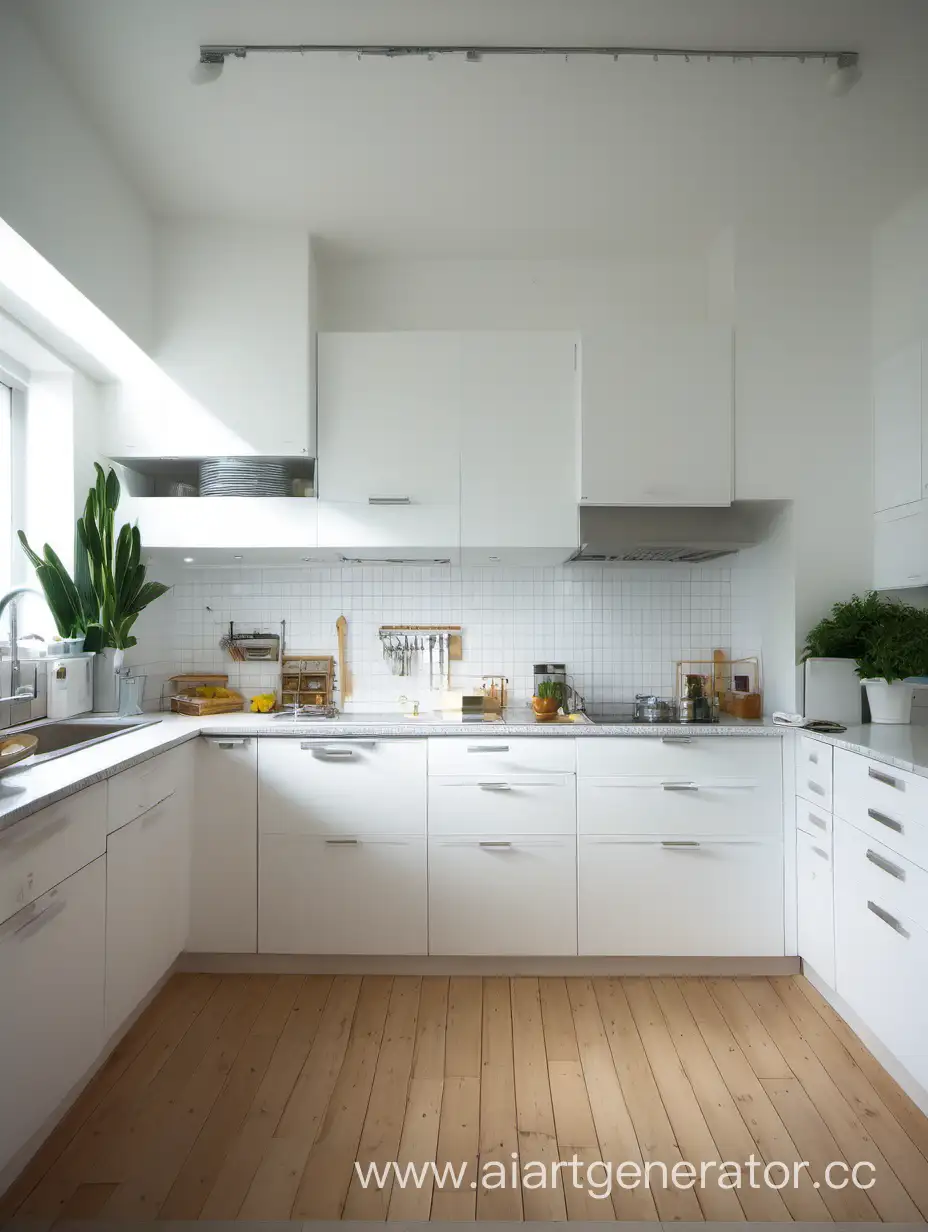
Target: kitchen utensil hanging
x,y
402,645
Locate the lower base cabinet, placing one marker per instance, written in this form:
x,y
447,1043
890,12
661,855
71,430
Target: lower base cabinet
x,y
147,904
51,1027
497,894
716,898
342,895
815,904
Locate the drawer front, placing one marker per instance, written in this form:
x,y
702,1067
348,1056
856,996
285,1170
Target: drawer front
x,y
814,771
881,874
812,820
888,804
341,787
498,756
735,757
492,895
742,809
329,896
519,804
816,905
137,790
42,850
706,899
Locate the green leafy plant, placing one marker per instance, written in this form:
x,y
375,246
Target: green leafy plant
x,y
887,640
846,632
549,689
109,588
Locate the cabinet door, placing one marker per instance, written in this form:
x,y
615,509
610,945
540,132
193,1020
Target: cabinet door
x,y
389,418
816,905
657,416
51,1021
503,894
900,549
147,899
343,896
519,433
224,877
706,898
897,429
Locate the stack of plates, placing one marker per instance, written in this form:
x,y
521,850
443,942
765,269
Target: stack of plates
x,y
245,477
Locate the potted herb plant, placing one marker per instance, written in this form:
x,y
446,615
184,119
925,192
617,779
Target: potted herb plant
x,y
547,700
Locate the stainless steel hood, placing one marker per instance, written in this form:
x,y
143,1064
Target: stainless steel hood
x,y
617,533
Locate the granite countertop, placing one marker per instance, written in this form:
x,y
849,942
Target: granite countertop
x,y
901,745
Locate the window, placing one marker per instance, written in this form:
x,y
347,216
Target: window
x,y
7,529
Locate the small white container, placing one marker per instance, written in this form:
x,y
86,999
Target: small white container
x,y
890,701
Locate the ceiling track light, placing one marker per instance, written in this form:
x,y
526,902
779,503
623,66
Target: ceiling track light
x,y
846,74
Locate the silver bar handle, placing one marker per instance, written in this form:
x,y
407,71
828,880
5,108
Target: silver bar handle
x,y
887,919
495,846
389,500
813,758
342,842
679,787
152,814
676,739
323,751
820,851
882,778
886,866
488,748
679,846
40,919
494,786
816,787
817,821
889,822
23,837
228,744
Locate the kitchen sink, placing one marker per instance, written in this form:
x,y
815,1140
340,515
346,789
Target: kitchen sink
x,y
58,737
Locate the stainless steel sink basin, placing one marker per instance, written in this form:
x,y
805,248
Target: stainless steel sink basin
x,y
59,737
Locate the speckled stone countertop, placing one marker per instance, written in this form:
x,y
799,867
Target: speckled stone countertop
x,y
895,744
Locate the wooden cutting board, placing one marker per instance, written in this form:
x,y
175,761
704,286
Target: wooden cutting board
x,y
341,630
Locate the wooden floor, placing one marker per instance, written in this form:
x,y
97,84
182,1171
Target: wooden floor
x,y
251,1097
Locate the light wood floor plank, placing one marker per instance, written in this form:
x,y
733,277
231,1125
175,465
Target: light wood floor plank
x,y
324,1186
854,1142
558,1020
577,1140
901,1154
459,1126
692,1134
462,1038
383,1125
499,1133
761,1118
429,1055
762,1053
614,1129
652,1127
534,1110
250,1142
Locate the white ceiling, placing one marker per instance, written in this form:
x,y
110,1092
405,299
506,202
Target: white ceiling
x,y
504,157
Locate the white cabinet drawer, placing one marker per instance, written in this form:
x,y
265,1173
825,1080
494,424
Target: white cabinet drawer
x,y
816,905
677,898
51,1025
814,771
890,805
743,809
519,804
498,756
882,875
341,787
42,850
815,821
135,791
335,896
497,895
686,756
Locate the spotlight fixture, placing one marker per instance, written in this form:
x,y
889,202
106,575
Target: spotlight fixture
x,y
208,68
846,75
188,560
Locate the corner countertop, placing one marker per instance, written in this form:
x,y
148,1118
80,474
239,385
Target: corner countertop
x,y
24,789
901,745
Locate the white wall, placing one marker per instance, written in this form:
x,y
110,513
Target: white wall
x,y
900,278
61,190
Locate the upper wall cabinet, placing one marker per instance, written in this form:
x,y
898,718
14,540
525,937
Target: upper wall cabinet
x,y
234,349
900,442
657,416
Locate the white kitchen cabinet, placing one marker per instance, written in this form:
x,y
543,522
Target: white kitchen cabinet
x,y
652,896
678,808
500,893
899,473
657,416
519,804
224,847
336,895
51,1024
900,547
147,904
389,418
814,776
815,904
490,757
217,524
519,430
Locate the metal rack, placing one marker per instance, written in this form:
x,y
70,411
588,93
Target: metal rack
x,y
402,644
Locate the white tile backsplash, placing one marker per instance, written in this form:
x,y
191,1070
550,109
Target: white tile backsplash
x,y
619,629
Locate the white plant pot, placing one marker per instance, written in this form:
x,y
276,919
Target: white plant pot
x,y
890,702
105,684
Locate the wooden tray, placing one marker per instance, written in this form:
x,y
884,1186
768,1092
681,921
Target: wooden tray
x,y
197,706
15,749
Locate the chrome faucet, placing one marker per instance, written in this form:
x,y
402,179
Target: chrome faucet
x,y
18,692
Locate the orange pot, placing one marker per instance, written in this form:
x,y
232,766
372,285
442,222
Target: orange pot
x,y
545,708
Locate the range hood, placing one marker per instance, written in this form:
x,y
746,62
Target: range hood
x,y
692,536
